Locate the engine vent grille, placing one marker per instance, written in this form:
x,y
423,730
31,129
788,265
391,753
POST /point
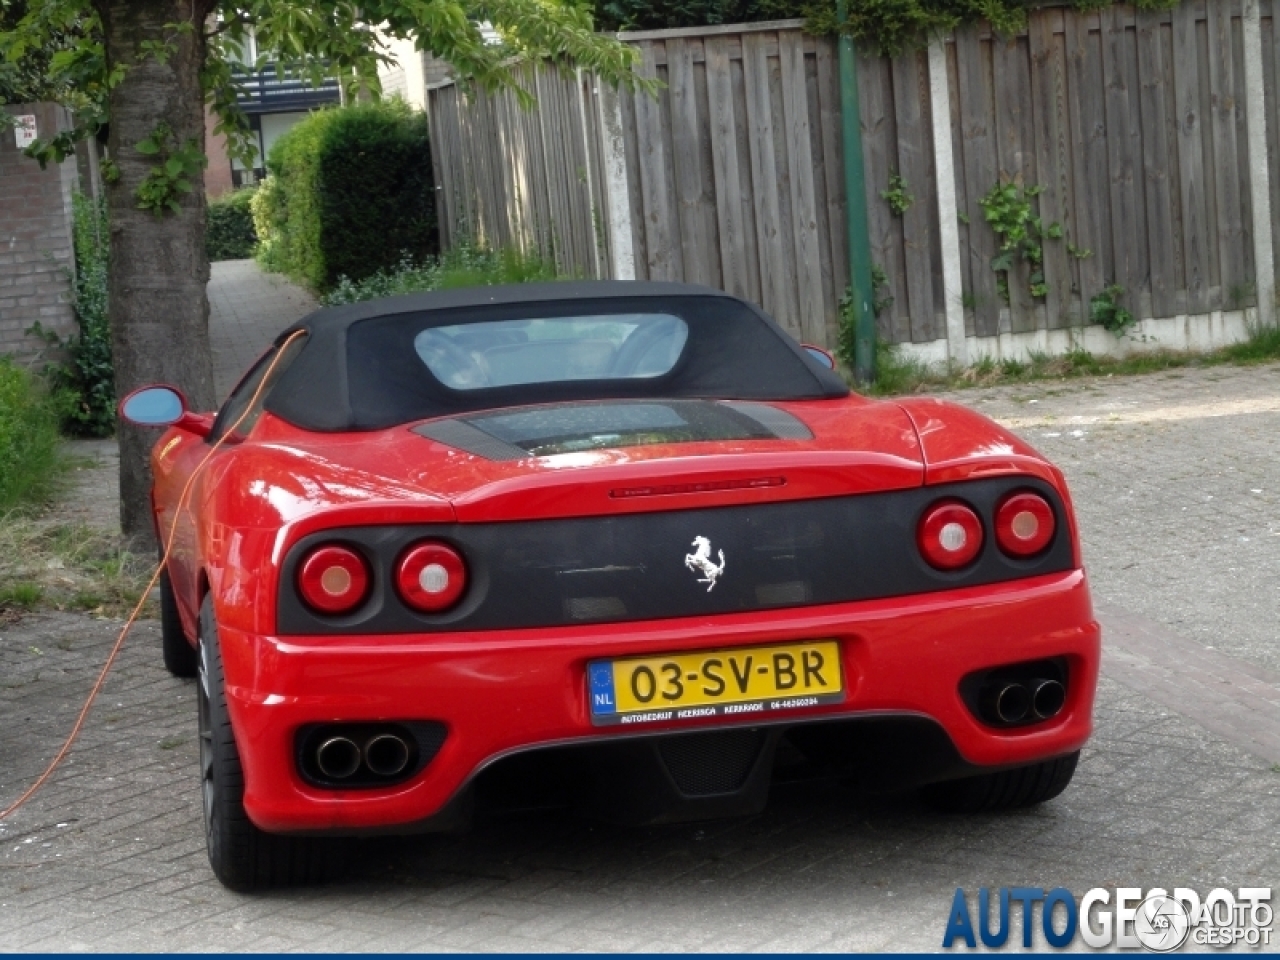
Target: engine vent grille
x,y
705,764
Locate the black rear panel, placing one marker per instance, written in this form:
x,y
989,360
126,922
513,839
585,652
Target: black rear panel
x,y
634,567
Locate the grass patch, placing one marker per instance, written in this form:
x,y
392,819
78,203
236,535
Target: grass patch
x,y
897,374
47,562
31,460
463,266
20,595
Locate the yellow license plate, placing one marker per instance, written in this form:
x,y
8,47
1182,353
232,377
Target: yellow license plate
x,y
745,682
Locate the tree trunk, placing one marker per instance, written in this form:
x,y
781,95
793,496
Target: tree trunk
x,y
159,270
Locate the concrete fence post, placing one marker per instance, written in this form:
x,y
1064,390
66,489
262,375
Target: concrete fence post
x,y
613,147
948,211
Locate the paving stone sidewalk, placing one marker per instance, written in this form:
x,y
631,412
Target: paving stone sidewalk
x,y
247,308
1182,553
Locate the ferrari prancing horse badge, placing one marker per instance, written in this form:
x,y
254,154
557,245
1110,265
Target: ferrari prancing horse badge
x,y
700,562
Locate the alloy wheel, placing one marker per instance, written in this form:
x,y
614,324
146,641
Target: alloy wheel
x,y
208,795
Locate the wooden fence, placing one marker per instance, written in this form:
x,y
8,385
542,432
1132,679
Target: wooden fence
x,y
526,179
1133,125
1129,127
734,176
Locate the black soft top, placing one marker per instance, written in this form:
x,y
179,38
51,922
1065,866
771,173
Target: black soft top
x,y
359,370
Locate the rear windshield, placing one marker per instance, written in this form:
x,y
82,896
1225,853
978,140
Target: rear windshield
x,y
452,353
502,353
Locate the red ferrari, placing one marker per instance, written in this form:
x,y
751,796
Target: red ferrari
x,y
625,542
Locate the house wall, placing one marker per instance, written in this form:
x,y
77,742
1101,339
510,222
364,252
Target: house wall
x,y
35,237
217,176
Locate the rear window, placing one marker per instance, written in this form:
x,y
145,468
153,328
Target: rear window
x,y
501,353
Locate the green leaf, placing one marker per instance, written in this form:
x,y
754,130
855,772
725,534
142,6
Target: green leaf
x,y
174,166
147,146
1002,261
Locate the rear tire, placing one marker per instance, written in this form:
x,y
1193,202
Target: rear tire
x,y
1004,790
179,656
243,857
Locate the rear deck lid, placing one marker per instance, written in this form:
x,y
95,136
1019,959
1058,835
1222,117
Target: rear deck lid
x,y
592,458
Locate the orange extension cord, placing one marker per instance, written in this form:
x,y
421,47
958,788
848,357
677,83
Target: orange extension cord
x,y
155,577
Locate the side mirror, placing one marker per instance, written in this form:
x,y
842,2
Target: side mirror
x,y
163,406
822,356
158,406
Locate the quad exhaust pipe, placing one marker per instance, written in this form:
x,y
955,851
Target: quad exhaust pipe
x,y
383,755
386,755
338,758
1013,703
1047,698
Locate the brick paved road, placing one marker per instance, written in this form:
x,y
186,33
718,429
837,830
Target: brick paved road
x,y
1174,789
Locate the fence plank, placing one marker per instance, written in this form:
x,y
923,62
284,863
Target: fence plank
x,y
1270,61
440,160
978,136
1155,165
706,175
1191,164
879,137
1123,146
833,175
656,211
684,158
788,311
1049,93
764,177
1225,164
1016,155
1239,101
915,149
742,143
964,226
551,247
724,166
1171,140
804,215
1092,227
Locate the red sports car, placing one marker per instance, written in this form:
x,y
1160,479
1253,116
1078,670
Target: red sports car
x,y
628,535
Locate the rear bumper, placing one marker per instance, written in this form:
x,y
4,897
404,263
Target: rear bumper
x,y
500,693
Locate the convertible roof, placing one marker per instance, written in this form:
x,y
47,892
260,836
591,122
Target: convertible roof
x,y
359,370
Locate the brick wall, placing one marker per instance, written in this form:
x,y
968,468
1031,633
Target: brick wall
x,y
217,176
35,236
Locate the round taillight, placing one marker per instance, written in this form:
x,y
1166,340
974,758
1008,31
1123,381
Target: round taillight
x,y
333,579
949,535
431,576
1024,524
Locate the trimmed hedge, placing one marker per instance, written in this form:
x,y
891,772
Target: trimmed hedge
x,y
349,193
228,232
